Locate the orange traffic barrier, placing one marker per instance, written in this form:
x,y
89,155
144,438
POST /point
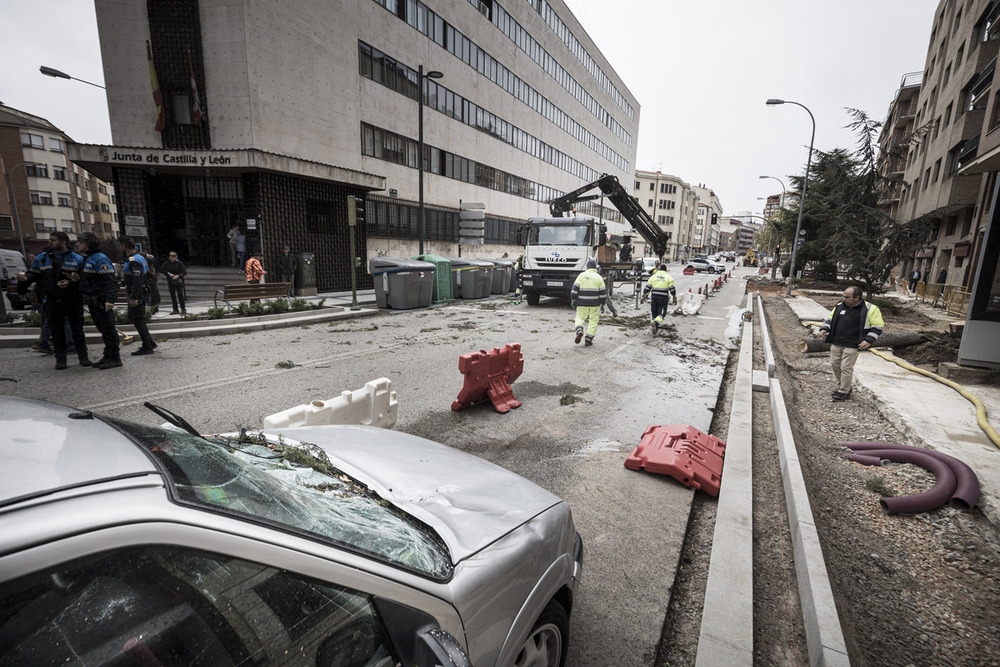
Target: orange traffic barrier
x,y
693,458
489,375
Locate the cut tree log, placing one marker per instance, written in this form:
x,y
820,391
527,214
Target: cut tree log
x,y
892,339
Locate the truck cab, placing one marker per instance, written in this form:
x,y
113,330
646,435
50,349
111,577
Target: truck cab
x,y
555,252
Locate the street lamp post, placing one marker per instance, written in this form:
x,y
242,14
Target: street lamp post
x,y
805,183
56,74
433,74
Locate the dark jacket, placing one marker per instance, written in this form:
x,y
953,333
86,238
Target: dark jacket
x,y
98,278
134,271
175,267
48,269
287,264
871,322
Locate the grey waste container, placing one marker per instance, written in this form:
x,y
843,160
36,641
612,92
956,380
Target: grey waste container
x,y
503,273
305,277
471,278
401,283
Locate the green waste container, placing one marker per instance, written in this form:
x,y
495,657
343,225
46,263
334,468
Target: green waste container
x,y
441,291
305,277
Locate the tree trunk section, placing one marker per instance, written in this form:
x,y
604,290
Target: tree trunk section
x,y
893,339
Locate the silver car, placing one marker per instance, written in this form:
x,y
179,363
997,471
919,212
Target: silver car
x,y
331,545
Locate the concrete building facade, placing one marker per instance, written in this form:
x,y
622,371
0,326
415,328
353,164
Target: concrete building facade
x,y
41,190
673,205
273,113
706,230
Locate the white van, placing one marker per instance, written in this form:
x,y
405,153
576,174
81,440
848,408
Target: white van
x,y
11,264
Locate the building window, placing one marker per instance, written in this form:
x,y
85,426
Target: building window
x,y
650,203
103,189
6,223
56,145
63,199
59,173
67,226
637,184
937,169
652,187
662,203
959,56
947,114
36,169
33,140
45,225
937,127
41,197
927,177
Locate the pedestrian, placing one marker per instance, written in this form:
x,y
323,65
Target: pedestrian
x,y
234,231
660,290
241,247
99,289
151,287
255,272
588,295
625,255
914,279
288,264
853,325
942,276
52,271
134,269
174,270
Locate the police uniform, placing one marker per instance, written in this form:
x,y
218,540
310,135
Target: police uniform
x,y
99,287
62,304
134,275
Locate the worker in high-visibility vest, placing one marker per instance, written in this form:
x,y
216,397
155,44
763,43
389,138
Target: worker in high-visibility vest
x,y
588,295
660,290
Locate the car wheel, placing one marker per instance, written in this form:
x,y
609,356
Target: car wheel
x,y
546,644
532,298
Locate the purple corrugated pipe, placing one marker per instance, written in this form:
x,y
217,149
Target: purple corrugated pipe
x,y
967,490
928,500
865,459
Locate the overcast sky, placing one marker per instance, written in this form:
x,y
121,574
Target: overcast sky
x,y
701,70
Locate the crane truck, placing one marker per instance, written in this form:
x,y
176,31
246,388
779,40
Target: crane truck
x,y
556,248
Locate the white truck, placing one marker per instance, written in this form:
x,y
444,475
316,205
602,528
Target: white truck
x,y
556,249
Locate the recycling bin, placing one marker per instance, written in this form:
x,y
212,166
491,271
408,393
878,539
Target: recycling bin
x,y
401,283
471,278
503,274
442,277
305,277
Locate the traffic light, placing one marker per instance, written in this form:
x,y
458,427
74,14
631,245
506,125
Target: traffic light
x,y
715,218
355,211
777,249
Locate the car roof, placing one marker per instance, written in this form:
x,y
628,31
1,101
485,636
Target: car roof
x,y
44,450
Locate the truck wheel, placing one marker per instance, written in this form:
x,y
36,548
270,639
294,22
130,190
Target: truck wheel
x,y
532,298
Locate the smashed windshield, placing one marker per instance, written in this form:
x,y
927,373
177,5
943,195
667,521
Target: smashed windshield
x,y
576,235
292,486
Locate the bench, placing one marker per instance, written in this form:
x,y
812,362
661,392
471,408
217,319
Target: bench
x,y
255,291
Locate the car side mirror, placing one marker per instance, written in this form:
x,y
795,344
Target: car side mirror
x,y
437,647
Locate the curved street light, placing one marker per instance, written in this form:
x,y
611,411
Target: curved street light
x,y
56,74
421,75
805,182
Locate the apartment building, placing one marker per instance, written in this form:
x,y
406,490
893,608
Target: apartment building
x,y
673,205
896,133
272,113
42,191
706,225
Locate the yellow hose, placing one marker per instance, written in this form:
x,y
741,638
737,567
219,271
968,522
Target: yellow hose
x,y
991,432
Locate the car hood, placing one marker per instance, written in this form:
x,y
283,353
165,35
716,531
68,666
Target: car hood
x,y
469,502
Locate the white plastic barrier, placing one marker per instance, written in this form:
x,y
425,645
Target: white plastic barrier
x,y
373,405
689,304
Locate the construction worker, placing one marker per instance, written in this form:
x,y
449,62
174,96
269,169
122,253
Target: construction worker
x,y
588,295
661,286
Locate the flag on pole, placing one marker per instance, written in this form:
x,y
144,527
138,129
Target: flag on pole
x,y
195,100
161,114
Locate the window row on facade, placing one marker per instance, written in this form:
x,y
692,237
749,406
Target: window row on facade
x,y
418,16
391,147
32,140
388,71
545,10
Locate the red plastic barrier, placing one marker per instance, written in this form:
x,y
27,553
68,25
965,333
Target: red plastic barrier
x,y
489,375
691,457
688,270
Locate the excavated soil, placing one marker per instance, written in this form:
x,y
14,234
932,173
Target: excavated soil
x,y
910,589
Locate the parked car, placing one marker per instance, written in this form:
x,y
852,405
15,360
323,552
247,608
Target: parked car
x,y
701,265
11,264
331,545
648,264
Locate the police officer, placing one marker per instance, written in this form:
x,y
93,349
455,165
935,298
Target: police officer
x,y
588,295
52,271
99,290
134,268
661,286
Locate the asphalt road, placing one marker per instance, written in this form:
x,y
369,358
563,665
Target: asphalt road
x,y
584,409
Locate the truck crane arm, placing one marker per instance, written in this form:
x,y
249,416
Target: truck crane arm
x,y
626,204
